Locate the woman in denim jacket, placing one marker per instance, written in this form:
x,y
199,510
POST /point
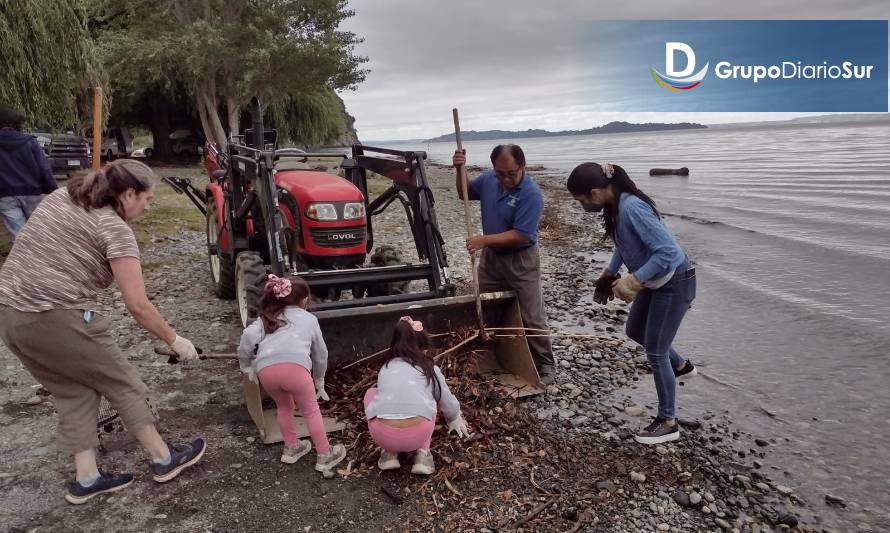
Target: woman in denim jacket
x,y
660,280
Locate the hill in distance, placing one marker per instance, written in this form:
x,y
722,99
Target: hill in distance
x,y
611,127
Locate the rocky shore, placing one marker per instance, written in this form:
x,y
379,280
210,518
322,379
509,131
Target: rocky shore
x,y
592,475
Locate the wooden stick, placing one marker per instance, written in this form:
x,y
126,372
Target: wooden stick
x,y
363,359
97,127
535,512
462,170
557,335
456,346
383,351
450,487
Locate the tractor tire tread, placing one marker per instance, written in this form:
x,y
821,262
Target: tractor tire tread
x,y
250,265
225,287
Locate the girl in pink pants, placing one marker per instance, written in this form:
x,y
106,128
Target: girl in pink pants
x,y
401,410
285,349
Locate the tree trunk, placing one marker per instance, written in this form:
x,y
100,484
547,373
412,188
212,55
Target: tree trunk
x,y
159,124
206,100
234,113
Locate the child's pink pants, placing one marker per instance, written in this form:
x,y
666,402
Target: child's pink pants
x,y
289,383
395,440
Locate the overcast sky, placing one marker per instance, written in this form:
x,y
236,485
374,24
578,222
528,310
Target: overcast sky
x,y
517,64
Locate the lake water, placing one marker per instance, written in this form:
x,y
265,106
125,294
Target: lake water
x,y
790,231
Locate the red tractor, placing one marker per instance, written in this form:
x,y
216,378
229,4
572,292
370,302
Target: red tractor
x,y
270,209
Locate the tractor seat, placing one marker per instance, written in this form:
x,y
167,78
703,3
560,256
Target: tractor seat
x,y
290,163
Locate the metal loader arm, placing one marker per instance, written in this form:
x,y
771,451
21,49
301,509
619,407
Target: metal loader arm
x,y
184,186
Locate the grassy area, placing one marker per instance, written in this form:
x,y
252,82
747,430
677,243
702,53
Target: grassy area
x,y
170,212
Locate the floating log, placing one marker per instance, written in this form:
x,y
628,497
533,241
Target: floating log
x,y
682,171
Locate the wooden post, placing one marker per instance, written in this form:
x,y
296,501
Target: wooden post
x,y
463,184
97,127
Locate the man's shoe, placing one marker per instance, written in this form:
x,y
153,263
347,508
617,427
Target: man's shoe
x,y
658,432
423,463
686,371
547,373
331,459
78,494
292,455
388,461
182,456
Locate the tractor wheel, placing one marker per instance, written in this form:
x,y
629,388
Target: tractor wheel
x,y
290,237
249,275
387,256
222,270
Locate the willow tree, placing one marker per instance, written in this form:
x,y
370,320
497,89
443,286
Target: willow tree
x,y
289,53
46,59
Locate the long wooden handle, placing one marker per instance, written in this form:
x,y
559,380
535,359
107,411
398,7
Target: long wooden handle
x,y
462,170
174,357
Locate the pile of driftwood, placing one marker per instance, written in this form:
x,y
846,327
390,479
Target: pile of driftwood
x,y
512,473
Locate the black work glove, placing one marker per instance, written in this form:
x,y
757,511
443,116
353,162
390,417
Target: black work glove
x,y
602,294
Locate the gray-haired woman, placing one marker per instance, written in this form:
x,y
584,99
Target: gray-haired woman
x,y
74,245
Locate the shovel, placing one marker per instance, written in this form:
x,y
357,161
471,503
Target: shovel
x,y
173,357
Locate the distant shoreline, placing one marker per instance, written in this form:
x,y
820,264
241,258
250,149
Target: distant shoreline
x,y
820,121
611,127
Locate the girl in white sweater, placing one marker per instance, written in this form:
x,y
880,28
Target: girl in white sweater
x,y
282,347
401,410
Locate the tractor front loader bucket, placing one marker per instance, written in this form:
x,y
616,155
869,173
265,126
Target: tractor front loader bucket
x,y
358,332
265,419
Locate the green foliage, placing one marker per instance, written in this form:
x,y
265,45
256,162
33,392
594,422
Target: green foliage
x,y
289,53
310,119
47,59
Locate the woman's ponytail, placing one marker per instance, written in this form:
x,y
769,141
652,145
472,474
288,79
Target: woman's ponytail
x,y
103,187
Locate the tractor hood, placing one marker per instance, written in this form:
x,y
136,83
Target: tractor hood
x,y
313,186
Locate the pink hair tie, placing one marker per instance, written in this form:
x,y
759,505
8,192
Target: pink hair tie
x,y
280,287
608,170
416,325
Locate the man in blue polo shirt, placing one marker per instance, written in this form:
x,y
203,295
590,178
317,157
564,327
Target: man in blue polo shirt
x,y
511,205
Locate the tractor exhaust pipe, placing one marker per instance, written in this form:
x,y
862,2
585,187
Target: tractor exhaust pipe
x,y
256,123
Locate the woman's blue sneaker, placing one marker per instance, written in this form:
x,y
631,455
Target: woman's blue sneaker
x,y
182,456
78,494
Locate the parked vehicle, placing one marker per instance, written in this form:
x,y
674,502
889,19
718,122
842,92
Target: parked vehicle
x,y
116,142
142,152
66,151
186,142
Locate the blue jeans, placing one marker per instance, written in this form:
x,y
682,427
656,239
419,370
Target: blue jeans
x,y
16,210
653,321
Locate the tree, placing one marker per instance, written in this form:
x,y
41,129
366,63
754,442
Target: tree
x,y
46,59
289,53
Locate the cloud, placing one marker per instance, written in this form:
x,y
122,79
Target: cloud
x,y
516,64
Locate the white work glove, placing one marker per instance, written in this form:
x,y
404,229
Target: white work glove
x,y
459,425
320,393
627,287
184,349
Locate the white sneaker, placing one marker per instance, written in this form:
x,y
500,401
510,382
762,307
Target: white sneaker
x,y
388,461
331,459
292,455
423,463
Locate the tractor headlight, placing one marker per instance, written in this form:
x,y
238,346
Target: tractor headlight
x,y
43,141
353,211
321,212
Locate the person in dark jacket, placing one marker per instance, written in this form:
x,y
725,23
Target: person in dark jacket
x,y
25,172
